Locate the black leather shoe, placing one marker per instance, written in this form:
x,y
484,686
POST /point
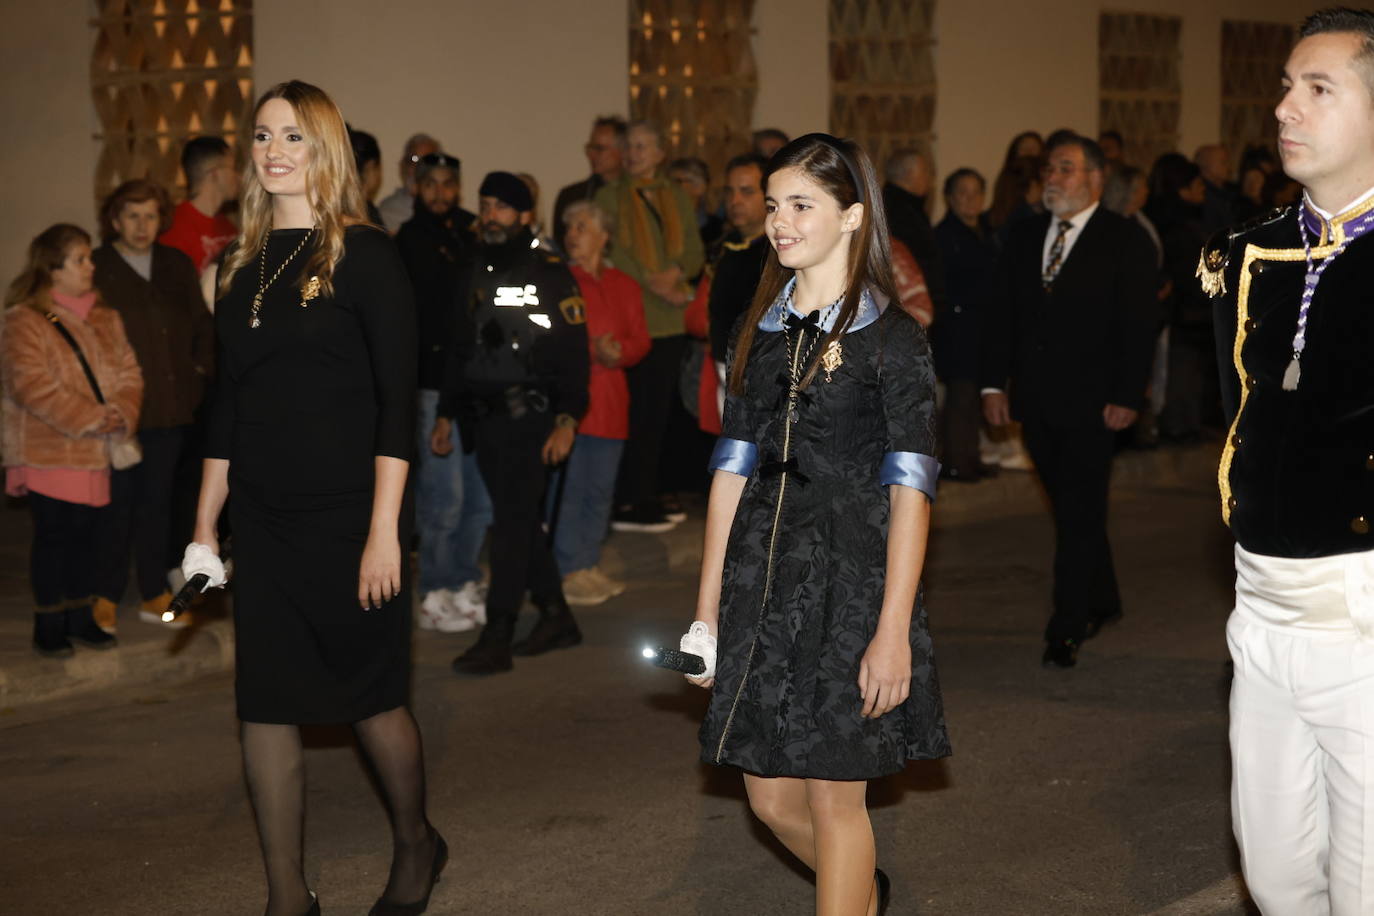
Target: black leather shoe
x,y
384,908
50,635
1096,624
556,629
1061,653
487,656
884,889
82,629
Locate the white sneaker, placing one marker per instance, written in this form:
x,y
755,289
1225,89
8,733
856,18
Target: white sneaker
x,y
471,601
437,612
614,586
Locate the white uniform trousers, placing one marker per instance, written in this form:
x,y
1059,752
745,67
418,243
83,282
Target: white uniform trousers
x,y
1302,732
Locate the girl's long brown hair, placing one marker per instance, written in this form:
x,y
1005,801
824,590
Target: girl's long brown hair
x,y
47,253
331,183
870,254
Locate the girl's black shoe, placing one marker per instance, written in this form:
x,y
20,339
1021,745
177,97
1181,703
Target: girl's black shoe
x,y
383,907
884,890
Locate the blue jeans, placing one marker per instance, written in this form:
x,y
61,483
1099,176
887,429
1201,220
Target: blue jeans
x,y
452,509
587,499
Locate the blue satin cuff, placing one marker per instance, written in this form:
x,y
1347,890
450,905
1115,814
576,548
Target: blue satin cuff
x,y
910,469
734,455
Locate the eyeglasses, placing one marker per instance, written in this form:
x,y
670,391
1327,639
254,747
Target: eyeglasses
x,y
1063,169
442,160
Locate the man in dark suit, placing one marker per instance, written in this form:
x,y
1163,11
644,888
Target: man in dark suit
x,y
605,151
1071,337
908,181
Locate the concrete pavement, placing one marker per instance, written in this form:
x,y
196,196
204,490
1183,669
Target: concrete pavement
x,y
572,786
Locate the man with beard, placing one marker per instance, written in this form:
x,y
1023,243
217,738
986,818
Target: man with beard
x,y
521,386
1071,333
452,509
1294,325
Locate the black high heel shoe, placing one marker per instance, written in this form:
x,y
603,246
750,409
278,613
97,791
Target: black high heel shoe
x,y
384,907
884,890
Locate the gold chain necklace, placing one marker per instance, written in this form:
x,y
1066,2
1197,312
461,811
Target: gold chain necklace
x,y
263,283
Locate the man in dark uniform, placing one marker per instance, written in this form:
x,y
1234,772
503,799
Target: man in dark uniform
x,y
521,386
1295,322
744,250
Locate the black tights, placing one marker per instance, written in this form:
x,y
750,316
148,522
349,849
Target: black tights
x,y
274,765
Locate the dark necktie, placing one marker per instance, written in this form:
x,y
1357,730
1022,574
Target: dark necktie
x,y
1056,256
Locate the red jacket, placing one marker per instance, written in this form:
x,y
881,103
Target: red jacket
x,y
615,306
698,323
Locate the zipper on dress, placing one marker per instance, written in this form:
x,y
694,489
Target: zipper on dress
x,y
772,543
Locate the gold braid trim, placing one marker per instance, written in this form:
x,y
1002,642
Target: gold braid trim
x,y
1254,253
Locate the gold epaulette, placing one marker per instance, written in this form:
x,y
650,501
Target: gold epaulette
x,y
1216,254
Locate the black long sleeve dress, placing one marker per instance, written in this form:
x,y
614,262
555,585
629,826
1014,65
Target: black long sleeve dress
x,y
806,560
303,405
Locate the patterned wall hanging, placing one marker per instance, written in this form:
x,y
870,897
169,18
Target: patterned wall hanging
x,y
882,74
163,71
1140,87
692,73
1252,59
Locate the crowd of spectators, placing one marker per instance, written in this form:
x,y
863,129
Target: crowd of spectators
x,y
666,256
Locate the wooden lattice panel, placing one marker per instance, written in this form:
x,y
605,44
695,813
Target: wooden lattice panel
x,y
1140,86
163,71
1252,59
882,74
692,72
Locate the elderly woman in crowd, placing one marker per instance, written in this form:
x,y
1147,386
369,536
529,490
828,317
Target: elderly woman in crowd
x,y
619,339
156,291
72,389
658,245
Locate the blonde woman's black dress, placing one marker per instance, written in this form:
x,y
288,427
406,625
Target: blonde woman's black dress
x,y
807,553
304,404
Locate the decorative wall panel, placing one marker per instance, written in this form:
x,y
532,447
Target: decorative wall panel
x,y
1138,77
1252,59
163,71
692,73
882,73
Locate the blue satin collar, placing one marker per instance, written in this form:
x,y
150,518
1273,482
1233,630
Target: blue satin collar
x,y
775,318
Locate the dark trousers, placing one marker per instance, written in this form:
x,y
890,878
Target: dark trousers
x,y
959,426
139,517
508,454
1192,390
62,564
653,385
1075,466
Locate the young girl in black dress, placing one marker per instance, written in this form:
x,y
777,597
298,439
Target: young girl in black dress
x,y
816,529
311,429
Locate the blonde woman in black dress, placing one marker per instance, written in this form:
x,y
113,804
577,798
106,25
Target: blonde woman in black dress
x,y
311,431
816,529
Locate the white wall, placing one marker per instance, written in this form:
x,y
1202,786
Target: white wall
x,y
47,161
791,49
509,86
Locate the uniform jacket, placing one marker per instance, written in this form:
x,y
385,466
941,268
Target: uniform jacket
x,y
49,413
1297,468
1086,344
168,326
529,329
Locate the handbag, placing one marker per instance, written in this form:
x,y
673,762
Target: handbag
x,y
124,453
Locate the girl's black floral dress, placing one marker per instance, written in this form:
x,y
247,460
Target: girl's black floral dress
x,y
807,554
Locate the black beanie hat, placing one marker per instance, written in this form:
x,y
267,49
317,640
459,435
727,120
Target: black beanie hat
x,y
508,189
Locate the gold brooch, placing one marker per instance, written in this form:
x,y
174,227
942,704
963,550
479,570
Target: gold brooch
x,y
832,358
310,290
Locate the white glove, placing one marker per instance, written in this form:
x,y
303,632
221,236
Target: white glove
x,y
699,641
201,560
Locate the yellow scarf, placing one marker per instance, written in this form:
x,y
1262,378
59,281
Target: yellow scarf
x,y
650,222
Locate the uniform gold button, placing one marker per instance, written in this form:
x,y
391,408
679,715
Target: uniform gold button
x,y
1359,525
1236,440
1251,324
1231,503
1256,268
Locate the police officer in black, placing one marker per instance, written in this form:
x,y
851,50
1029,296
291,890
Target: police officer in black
x,y
520,388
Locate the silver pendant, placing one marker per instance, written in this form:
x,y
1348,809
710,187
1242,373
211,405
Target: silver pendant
x,y
1292,375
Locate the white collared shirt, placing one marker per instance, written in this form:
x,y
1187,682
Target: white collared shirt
x,y
1350,206
1075,230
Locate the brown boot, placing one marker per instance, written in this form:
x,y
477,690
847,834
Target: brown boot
x,y
103,609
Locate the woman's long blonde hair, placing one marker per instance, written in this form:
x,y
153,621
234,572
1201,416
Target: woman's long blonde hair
x,y
331,183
